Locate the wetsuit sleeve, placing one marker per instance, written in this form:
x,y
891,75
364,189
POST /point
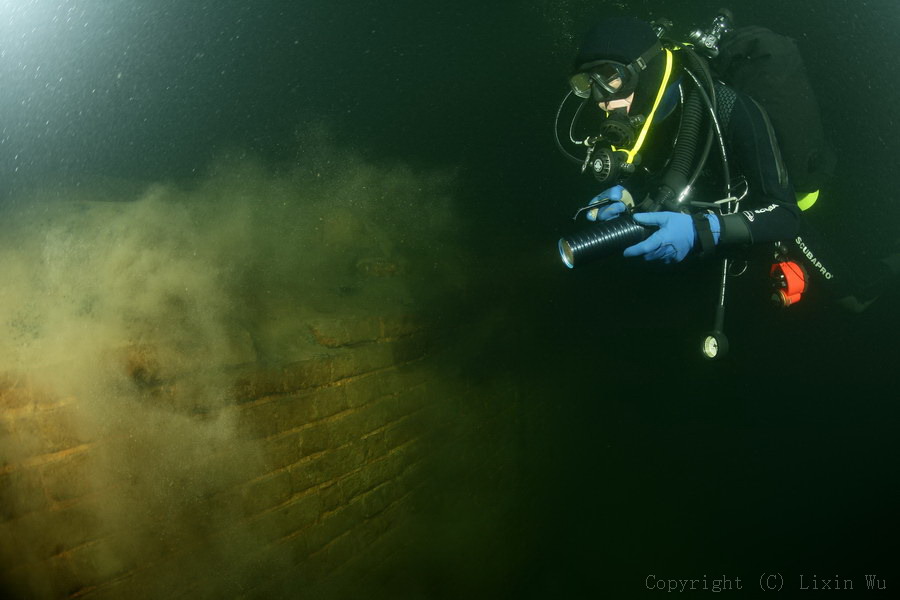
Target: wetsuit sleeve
x,y
770,209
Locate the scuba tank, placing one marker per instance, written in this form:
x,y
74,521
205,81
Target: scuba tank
x,y
768,67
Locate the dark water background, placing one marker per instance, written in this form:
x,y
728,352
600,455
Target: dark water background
x,y
636,456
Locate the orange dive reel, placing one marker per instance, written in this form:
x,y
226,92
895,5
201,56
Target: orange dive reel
x,y
789,280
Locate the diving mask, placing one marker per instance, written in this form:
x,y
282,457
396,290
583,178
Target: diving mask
x,y
607,80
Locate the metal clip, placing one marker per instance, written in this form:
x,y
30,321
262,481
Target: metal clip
x,y
595,206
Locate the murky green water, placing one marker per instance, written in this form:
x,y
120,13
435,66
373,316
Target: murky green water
x,y
422,133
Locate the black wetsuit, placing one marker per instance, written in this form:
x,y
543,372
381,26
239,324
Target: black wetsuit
x,y
769,211
769,67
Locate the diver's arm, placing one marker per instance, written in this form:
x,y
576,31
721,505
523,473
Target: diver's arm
x,y
774,214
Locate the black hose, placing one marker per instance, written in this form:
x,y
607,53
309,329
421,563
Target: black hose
x,y
559,145
714,131
686,145
683,168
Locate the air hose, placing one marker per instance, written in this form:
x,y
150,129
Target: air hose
x,y
683,168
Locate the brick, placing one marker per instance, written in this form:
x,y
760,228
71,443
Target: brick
x,y
306,474
378,498
344,365
73,525
331,496
387,382
131,586
340,461
370,426
307,374
390,410
154,535
282,450
346,428
370,530
400,325
36,537
361,331
333,432
378,414
360,392
332,525
369,567
223,469
67,478
393,465
314,439
266,492
355,484
60,429
30,440
299,409
414,425
99,562
413,398
258,419
327,332
10,450
336,333
296,547
288,518
51,578
289,580
331,556
362,360
12,396
227,506
21,493
410,348
375,444
167,578
253,383
328,401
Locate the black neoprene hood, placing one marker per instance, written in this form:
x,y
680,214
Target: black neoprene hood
x,y
622,39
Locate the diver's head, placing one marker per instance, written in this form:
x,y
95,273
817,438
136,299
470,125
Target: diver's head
x,y
619,59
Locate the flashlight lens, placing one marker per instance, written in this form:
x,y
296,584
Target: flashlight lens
x,y
565,252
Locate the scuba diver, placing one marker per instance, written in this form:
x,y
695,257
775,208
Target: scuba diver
x,y
692,165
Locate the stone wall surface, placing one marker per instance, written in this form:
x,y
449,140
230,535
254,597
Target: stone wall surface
x,y
296,475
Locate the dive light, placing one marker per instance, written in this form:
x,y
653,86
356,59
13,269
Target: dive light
x,y
602,239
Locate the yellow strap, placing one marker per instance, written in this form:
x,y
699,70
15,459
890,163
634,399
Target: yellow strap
x,y
805,201
659,96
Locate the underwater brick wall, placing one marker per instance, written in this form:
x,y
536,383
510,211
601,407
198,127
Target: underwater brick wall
x,y
320,464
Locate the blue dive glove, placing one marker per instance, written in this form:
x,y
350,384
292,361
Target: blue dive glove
x,y
610,210
674,238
